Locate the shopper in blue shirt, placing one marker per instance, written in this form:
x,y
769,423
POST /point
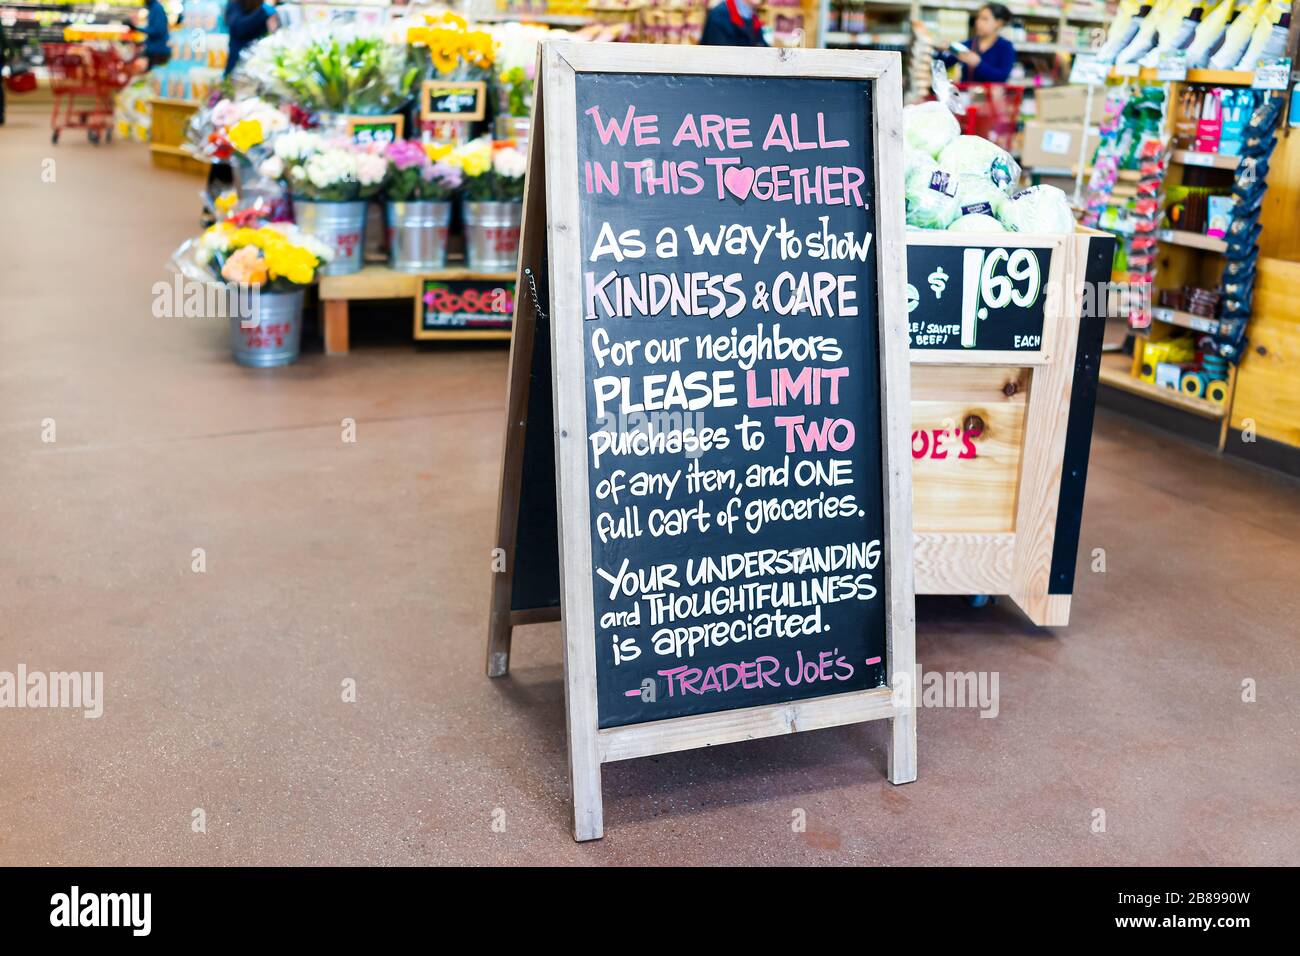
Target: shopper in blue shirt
x,y
990,56
156,32
732,23
247,22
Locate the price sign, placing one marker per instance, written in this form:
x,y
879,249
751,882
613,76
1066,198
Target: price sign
x,y
381,130
1087,70
1275,74
988,298
442,100
464,304
1172,66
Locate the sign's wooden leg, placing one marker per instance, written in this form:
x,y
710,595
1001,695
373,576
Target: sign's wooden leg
x,y
902,747
336,326
498,650
584,776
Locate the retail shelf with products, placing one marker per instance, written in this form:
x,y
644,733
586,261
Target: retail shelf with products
x,y
1192,240
1118,371
1189,157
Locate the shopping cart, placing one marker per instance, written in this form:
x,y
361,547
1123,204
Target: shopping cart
x,y
993,111
84,78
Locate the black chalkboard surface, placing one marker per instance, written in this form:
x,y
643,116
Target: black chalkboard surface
x,y
733,390
985,298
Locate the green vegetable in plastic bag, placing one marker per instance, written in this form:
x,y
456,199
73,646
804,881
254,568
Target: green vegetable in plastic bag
x,y
931,200
978,195
929,127
1038,209
976,222
977,156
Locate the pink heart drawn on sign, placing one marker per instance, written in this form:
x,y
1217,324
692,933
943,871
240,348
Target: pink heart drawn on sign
x,y
739,180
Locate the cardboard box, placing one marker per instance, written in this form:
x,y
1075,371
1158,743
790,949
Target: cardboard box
x,y
1054,145
1065,104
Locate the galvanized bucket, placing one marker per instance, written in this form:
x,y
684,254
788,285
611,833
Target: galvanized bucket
x,y
417,235
340,225
492,235
272,334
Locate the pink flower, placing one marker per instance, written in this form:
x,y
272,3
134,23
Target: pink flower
x,y
449,175
405,154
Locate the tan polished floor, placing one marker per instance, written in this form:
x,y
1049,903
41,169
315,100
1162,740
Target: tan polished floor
x,y
370,561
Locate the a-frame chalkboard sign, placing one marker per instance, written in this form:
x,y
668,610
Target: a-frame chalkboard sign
x,y
706,465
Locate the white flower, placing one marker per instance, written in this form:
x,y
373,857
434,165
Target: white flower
x,y
272,168
296,145
371,169
509,163
330,167
224,114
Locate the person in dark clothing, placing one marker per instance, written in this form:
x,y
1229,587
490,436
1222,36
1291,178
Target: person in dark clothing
x,y
156,33
732,23
247,21
4,61
989,56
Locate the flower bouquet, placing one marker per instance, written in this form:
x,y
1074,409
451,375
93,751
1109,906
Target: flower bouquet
x,y
333,68
493,210
418,189
455,51
217,132
262,269
516,66
330,182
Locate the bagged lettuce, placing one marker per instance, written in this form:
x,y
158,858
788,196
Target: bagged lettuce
x,y
977,195
917,162
976,222
1038,209
975,155
929,127
931,200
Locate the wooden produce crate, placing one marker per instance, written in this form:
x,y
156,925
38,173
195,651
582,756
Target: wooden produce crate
x,y
1006,335
169,119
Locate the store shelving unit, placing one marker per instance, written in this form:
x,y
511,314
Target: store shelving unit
x,y
1059,21
1184,258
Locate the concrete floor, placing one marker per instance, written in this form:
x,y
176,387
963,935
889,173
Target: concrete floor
x,y
370,561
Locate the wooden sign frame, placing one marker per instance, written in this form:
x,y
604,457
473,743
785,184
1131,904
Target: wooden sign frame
x,y
429,86
554,200
396,120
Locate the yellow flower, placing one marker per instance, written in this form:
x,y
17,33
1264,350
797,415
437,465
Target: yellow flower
x,y
245,134
226,202
437,151
285,260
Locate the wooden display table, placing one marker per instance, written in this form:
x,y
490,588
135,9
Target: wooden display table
x,y
169,118
381,282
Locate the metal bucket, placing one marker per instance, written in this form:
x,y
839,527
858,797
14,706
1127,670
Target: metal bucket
x,y
417,235
492,235
272,334
340,225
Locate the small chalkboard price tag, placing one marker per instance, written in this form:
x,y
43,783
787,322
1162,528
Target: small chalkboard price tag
x,y
447,100
463,304
375,130
983,298
722,231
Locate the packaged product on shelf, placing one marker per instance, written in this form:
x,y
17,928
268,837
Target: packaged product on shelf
x,y
1268,41
1237,36
1209,34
